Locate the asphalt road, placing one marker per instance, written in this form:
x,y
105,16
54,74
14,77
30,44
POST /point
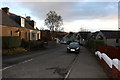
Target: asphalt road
x,y
51,63
54,63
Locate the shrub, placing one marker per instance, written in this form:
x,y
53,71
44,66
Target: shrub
x,y
10,42
94,44
13,51
36,44
31,45
25,43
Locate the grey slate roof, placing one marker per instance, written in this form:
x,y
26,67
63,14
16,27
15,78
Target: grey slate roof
x,y
13,20
7,21
109,34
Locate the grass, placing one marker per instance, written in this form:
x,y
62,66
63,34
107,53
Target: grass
x,y
13,51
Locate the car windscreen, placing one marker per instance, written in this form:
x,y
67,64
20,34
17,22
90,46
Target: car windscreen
x,y
74,45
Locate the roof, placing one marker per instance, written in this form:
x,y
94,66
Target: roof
x,y
85,34
111,33
7,21
13,20
95,33
16,18
37,29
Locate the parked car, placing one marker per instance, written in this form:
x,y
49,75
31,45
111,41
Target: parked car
x,y
63,42
73,47
68,42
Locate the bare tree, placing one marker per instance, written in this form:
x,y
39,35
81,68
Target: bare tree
x,y
53,21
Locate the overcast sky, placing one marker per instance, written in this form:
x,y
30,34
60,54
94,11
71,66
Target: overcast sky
x,y
91,16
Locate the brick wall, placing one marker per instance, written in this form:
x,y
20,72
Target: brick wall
x,y
12,31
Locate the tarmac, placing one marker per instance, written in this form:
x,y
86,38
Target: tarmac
x,y
87,66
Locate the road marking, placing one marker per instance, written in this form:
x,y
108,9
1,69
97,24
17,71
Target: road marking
x,y
6,67
71,67
67,74
26,61
16,64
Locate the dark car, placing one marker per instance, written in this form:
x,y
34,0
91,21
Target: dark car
x,y
73,47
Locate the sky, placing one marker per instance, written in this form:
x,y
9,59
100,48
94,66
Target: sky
x,y
85,15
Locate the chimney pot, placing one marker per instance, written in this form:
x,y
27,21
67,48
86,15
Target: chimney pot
x,y
6,9
28,18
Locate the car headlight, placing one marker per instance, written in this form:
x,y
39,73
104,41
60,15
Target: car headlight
x,y
77,48
68,47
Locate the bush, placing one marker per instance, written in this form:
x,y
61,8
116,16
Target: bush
x,y
10,42
36,44
25,43
94,44
31,45
13,51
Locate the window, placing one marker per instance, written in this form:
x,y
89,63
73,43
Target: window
x,y
38,36
25,35
34,25
19,34
10,33
100,37
22,22
33,35
117,40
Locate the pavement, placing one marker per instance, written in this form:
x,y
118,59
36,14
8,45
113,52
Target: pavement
x,y
87,66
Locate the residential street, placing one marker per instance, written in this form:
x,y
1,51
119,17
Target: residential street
x,y
55,63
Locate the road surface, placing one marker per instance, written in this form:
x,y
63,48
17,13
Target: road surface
x,y
54,63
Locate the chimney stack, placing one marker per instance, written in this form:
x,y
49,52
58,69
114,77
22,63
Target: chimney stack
x,y
6,10
28,18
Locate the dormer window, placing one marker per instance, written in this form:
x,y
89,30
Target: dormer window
x,y
22,22
34,25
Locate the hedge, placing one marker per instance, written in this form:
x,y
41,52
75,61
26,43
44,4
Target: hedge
x,y
36,45
10,42
32,45
94,44
25,43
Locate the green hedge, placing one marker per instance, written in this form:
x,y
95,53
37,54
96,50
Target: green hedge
x,y
36,45
10,42
25,43
94,44
31,45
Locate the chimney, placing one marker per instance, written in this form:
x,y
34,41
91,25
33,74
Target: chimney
x,y
28,18
6,10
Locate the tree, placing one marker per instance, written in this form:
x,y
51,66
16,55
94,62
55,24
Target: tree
x,y
53,21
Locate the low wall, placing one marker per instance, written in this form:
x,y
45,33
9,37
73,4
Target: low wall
x,y
111,66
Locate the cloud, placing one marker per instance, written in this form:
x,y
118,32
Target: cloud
x,y
94,15
71,11
59,0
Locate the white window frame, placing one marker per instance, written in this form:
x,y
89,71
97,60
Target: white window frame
x,y
22,22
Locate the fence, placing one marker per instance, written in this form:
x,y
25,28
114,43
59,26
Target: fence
x,y
112,52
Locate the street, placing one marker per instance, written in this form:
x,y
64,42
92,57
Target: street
x,y
55,63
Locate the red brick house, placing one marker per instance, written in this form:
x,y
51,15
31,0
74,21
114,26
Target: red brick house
x,y
14,25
